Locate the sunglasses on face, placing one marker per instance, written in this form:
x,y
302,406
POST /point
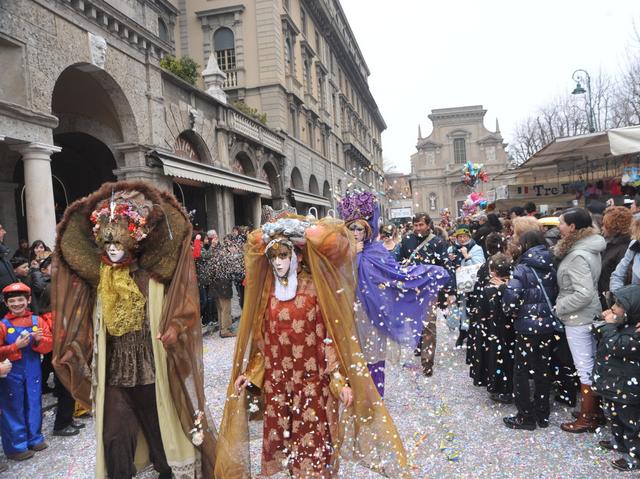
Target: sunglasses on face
x,y
356,228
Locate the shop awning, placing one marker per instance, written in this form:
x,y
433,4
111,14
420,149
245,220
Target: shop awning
x,y
311,199
614,142
180,168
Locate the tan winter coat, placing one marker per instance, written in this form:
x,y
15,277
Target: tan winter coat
x,y
578,273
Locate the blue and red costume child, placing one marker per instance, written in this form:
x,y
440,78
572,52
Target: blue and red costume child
x,y
20,391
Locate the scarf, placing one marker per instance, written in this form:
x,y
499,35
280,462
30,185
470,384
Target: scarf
x,y
123,305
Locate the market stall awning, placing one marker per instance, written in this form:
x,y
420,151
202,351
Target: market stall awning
x,y
614,142
311,199
180,168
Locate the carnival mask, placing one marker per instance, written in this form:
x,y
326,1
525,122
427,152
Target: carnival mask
x,y
115,252
280,259
358,230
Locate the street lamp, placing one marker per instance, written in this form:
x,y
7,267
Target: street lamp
x,y
581,76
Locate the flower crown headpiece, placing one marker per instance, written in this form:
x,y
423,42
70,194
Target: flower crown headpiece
x,y
357,206
119,221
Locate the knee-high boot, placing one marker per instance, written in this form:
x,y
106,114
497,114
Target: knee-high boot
x,y
590,412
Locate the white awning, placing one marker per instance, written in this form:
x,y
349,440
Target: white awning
x,y
614,142
309,198
191,170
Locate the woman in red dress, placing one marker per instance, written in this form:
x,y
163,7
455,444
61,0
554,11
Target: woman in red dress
x,y
314,411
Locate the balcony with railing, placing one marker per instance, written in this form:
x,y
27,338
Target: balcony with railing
x,y
232,79
254,130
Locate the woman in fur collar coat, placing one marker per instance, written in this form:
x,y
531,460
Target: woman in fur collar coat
x,y
578,304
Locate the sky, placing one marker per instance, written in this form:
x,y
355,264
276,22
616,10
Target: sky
x,y
511,56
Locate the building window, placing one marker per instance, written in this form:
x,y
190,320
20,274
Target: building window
x,y
288,55
318,46
306,65
337,153
310,134
224,46
459,151
293,120
163,31
303,21
321,91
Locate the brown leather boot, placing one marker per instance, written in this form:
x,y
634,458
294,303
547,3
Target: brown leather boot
x,y
589,408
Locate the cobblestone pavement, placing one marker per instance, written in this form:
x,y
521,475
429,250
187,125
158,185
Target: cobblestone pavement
x,y
450,428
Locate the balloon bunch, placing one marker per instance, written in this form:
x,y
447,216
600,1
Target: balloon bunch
x,y
472,173
473,203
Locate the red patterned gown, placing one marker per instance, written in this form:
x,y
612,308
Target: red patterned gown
x,y
297,359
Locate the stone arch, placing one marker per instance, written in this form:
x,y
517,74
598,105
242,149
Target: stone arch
x,y
242,164
296,179
270,174
313,185
83,94
243,159
326,190
191,146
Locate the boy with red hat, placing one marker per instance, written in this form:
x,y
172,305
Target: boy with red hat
x,y
23,338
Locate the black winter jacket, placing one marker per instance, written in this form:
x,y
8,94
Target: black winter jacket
x,y
616,374
524,299
434,252
611,256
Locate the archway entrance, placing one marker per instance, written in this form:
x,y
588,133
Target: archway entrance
x,y
244,203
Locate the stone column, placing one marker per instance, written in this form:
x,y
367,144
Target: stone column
x,y
256,210
40,206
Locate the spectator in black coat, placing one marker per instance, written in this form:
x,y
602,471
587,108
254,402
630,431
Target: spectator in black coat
x,y
488,224
616,373
500,336
616,226
529,296
477,346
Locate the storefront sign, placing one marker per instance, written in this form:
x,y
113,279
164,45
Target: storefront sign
x,y
539,190
401,213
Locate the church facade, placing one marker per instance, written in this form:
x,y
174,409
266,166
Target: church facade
x,y
458,136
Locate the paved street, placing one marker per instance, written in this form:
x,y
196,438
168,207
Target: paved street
x,y
450,428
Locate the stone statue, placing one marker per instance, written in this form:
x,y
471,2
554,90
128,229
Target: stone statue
x,y
98,50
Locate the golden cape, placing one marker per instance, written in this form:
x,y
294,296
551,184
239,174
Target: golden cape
x,y
367,434
167,257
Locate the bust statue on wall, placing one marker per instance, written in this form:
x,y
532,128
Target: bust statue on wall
x,y
97,50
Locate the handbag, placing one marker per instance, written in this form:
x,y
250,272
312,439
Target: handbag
x,y
559,326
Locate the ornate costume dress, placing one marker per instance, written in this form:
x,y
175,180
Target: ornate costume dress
x,y
107,316
299,354
298,361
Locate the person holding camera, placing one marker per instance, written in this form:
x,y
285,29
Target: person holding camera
x,y
616,373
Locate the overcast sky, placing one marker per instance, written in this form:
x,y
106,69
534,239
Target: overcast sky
x,y
511,56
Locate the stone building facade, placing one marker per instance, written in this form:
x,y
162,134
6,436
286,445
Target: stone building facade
x,y
83,100
458,136
298,62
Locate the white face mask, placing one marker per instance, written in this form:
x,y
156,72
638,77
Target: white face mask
x,y
281,264
115,252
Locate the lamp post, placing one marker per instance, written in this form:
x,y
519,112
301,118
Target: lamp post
x,y
581,76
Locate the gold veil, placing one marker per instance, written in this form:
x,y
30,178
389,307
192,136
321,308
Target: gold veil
x,y
367,434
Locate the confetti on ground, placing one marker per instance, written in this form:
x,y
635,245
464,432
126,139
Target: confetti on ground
x,y
450,428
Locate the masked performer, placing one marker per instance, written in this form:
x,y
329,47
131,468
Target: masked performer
x,y
127,331
298,334
392,302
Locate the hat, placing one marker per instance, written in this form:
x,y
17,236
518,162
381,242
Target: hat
x,y
122,219
16,288
462,230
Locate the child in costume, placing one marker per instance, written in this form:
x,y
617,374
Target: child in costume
x,y
23,338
